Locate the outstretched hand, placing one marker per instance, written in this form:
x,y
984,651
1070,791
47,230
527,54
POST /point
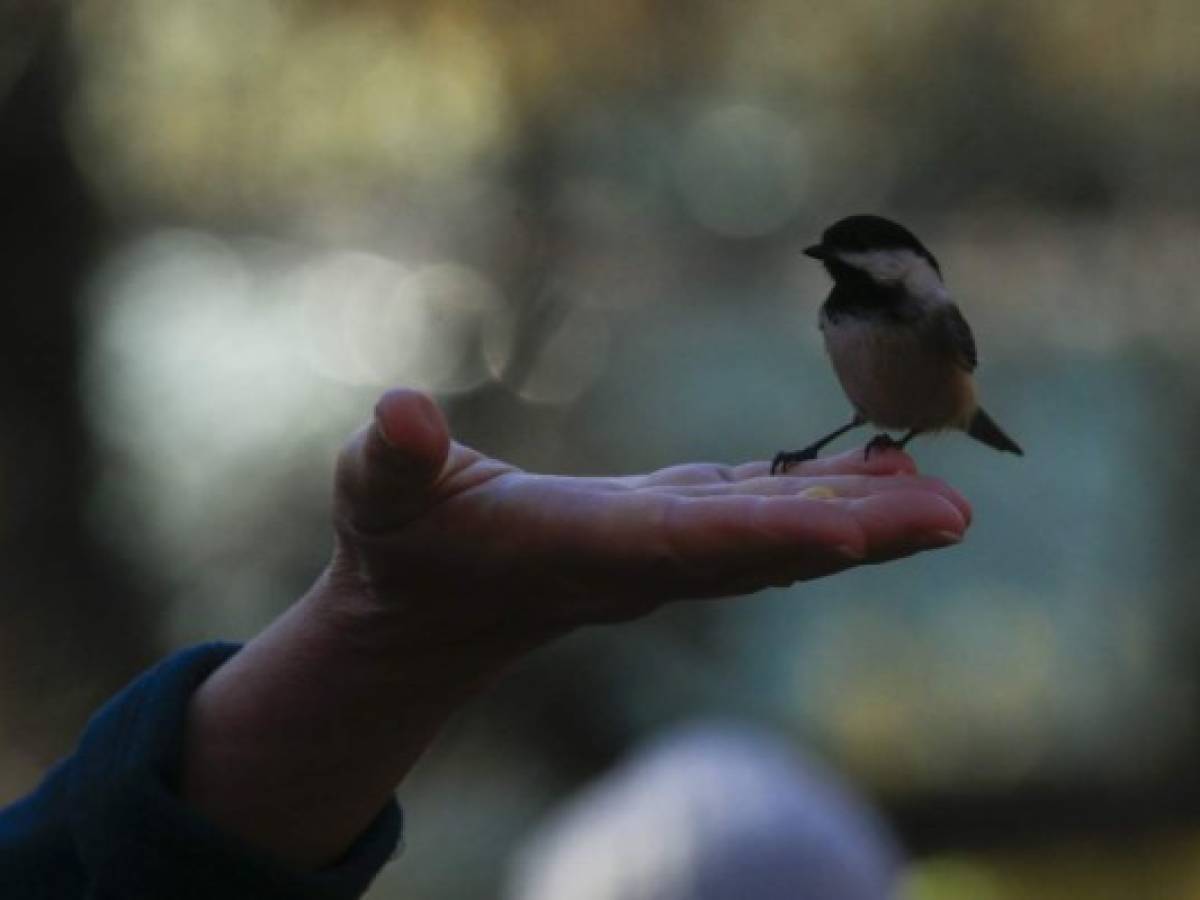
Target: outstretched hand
x,y
448,565
473,548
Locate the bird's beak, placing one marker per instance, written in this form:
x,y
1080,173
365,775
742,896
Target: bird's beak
x,y
817,251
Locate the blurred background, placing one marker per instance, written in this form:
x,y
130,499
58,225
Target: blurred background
x,y
228,224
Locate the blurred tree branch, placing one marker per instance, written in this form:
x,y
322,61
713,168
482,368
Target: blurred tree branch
x,y
74,624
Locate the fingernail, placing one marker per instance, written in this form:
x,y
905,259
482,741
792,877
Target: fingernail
x,y
383,435
942,538
848,552
379,429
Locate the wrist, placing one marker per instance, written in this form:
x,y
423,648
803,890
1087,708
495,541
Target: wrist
x,y
328,708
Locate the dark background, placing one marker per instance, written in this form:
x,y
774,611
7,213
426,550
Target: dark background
x,y
228,225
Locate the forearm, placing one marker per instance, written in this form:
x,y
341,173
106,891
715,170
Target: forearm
x,y
298,741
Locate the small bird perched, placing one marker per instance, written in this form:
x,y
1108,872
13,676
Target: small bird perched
x,y
899,345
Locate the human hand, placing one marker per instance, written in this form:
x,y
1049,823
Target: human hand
x,y
467,550
448,565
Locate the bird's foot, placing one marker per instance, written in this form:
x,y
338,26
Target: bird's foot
x,y
785,459
881,442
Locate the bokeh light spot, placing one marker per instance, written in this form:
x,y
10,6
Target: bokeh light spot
x,y
743,170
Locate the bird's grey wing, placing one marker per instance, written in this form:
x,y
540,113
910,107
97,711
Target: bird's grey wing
x,y
954,334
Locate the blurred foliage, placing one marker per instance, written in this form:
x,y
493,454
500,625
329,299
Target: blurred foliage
x,y
577,224
1154,868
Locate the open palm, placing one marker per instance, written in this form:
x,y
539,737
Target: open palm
x,y
473,547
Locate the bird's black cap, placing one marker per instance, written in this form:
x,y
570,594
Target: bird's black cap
x,y
862,233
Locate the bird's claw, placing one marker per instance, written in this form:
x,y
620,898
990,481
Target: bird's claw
x,y
880,442
785,459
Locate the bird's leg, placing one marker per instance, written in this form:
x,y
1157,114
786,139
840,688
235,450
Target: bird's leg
x,y
785,459
887,442
879,442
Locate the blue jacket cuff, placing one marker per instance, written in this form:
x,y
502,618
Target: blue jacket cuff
x,y
137,839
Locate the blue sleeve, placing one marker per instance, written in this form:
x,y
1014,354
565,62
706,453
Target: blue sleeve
x,y
106,823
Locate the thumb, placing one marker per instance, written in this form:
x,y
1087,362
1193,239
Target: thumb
x,y
387,470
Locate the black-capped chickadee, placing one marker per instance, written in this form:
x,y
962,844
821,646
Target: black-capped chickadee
x,y
899,345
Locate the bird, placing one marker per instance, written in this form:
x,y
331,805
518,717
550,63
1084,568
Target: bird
x,y
899,344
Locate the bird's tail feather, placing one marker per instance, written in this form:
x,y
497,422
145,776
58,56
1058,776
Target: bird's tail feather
x,y
984,429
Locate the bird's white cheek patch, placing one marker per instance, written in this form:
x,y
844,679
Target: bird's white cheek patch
x,y
892,267
884,266
924,285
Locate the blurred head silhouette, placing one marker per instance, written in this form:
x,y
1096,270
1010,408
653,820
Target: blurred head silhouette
x,y
710,812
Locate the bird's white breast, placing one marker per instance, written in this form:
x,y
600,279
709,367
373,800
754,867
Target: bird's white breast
x,y
894,378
